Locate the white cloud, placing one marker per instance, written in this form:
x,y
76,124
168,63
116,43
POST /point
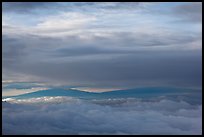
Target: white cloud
x,y
54,26
60,115
64,22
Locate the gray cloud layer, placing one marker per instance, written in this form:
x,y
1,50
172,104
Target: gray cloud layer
x,y
187,12
190,12
93,55
27,7
75,61
31,7
72,116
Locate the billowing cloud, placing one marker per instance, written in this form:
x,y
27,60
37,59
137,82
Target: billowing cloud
x,y
61,115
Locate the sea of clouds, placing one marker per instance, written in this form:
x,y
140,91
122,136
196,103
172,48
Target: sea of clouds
x,y
67,115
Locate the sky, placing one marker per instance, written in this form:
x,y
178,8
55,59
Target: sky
x,y
103,44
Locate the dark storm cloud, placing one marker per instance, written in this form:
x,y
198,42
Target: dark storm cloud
x,y
114,61
12,50
123,43
131,70
190,11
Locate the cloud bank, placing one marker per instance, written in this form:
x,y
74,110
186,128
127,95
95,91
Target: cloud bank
x,y
61,115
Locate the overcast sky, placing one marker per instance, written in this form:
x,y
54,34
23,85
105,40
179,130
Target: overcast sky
x,y
103,44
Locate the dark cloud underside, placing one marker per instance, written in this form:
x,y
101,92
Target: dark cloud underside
x,y
103,44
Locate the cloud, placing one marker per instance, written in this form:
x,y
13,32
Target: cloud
x,y
102,45
27,7
190,12
119,60
10,52
97,46
32,7
65,22
60,115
